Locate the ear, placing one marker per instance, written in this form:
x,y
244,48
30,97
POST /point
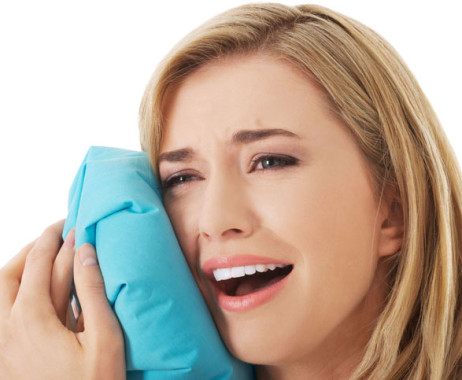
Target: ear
x,y
391,232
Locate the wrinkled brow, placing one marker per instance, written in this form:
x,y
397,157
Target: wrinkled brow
x,y
240,137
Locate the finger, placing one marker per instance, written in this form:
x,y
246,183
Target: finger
x,y
61,278
36,279
10,278
100,321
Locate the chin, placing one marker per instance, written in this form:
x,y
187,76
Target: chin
x,y
253,343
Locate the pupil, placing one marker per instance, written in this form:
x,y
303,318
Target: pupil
x,y
269,162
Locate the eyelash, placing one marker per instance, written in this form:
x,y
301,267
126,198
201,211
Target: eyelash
x,y
287,161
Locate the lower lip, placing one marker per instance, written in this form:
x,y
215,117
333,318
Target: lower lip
x,y
249,301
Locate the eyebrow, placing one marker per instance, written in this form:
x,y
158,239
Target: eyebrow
x,y
240,137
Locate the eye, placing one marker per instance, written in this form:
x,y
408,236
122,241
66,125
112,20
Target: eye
x,y
263,162
270,161
176,180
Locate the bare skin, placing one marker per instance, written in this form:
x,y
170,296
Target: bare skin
x,y
35,342
311,203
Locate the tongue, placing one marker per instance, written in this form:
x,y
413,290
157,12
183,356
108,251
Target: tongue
x,y
251,284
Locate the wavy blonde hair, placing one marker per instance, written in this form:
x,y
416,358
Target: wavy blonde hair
x,y
419,333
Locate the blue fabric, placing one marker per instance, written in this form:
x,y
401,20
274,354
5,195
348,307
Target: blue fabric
x,y
115,204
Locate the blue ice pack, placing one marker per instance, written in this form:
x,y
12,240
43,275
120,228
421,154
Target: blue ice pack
x,y
115,204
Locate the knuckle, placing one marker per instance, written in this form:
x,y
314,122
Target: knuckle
x,y
62,270
27,248
10,269
95,287
44,248
52,232
48,243
35,255
55,229
8,280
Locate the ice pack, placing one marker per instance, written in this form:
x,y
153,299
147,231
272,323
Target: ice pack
x,y
115,204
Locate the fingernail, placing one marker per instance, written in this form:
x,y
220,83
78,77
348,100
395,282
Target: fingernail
x,y
70,239
87,255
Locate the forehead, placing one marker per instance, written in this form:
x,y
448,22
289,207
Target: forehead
x,y
240,92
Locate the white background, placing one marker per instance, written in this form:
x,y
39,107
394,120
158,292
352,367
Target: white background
x,y
72,75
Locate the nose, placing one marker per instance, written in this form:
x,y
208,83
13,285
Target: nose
x,y
226,212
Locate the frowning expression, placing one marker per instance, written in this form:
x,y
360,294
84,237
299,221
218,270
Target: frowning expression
x,y
256,170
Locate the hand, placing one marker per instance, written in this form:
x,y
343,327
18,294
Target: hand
x,y
34,340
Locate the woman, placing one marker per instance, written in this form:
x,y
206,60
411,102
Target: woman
x,y
292,137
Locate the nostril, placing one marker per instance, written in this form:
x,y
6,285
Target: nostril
x,y
233,230
204,234
228,216
228,233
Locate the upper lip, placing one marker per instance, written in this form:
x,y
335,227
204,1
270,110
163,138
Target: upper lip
x,y
236,261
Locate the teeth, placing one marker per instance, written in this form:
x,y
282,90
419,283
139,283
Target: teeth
x,y
261,268
250,269
235,272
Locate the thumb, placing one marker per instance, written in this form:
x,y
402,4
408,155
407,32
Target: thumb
x,y
91,292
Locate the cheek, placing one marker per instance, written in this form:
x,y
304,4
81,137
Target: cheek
x,y
319,210
182,216
328,221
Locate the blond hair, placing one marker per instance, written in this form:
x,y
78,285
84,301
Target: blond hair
x,y
419,333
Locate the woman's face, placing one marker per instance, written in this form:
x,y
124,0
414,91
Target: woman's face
x,y
264,174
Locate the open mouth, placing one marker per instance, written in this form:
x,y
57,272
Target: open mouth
x,y
250,283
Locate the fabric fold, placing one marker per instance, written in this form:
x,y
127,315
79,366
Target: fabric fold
x,y
115,204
